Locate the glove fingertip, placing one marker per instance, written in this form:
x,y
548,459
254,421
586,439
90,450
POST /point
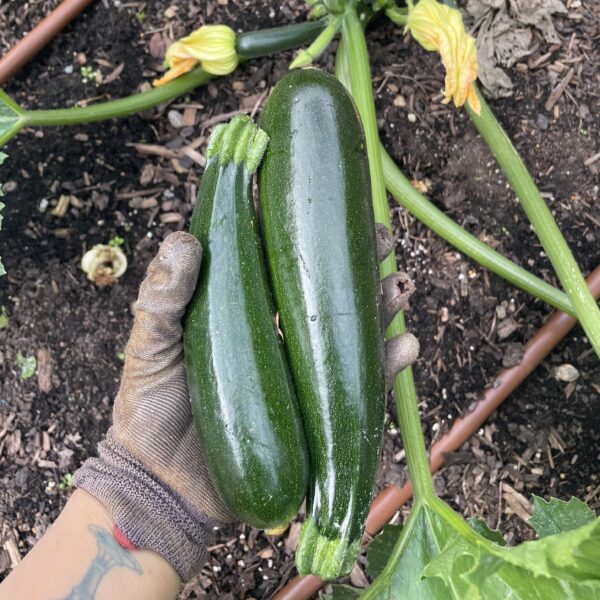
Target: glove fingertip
x,y
182,243
400,352
385,243
171,277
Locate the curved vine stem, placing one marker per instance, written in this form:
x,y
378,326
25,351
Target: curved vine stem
x,y
538,213
423,209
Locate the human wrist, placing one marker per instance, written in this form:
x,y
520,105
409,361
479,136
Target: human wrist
x,y
78,557
147,513
86,509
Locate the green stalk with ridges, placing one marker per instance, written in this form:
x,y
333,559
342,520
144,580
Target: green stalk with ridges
x,y
117,108
423,209
318,554
399,16
239,141
538,213
249,45
305,57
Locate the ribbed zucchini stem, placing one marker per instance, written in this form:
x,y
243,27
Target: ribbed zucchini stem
x,y
239,141
319,555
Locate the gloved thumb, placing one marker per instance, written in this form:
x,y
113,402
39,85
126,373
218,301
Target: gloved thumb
x,y
164,294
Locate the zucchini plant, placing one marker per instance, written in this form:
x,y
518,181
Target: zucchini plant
x,y
436,554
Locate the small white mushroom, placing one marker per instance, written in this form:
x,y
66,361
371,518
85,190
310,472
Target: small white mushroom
x,y
566,372
104,264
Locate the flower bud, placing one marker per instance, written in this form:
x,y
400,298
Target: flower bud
x,y
211,46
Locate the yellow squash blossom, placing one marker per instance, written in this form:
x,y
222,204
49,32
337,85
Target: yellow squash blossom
x,y
211,46
438,27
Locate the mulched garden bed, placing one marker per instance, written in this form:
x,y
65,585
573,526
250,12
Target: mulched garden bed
x,y
544,440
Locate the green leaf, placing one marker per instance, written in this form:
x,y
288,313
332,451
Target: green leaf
x,y
116,242
420,541
557,516
12,118
28,365
558,566
380,549
67,482
481,527
437,557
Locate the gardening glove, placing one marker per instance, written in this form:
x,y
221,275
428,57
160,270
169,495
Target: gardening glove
x,y
150,471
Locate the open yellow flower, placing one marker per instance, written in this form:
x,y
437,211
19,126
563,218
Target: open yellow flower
x,y
438,27
211,46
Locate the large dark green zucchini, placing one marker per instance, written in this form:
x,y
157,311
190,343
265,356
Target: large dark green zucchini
x,y
319,235
243,402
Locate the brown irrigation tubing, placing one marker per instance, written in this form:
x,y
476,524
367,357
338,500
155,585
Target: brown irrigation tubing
x,y
25,49
390,500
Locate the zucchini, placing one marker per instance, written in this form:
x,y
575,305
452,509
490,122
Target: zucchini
x,y
256,44
319,235
243,402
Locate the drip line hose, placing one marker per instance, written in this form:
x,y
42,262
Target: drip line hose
x,y
45,31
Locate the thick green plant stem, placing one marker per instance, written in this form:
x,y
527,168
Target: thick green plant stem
x,y
543,222
353,70
118,108
399,16
423,209
249,45
306,57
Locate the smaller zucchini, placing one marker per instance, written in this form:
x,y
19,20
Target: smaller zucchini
x,y
256,44
242,398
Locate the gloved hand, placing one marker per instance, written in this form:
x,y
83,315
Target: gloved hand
x,y
150,472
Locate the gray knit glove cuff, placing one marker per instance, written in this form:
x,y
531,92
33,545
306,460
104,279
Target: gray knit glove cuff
x,y
150,515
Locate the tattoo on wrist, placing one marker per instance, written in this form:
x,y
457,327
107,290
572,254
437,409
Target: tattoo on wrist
x,y
109,556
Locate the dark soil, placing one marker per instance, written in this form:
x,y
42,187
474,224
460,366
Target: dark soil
x,y
544,439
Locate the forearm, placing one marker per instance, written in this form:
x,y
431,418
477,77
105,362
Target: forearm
x,y
78,559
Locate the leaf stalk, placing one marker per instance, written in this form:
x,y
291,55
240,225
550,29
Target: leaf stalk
x,y
541,218
423,209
